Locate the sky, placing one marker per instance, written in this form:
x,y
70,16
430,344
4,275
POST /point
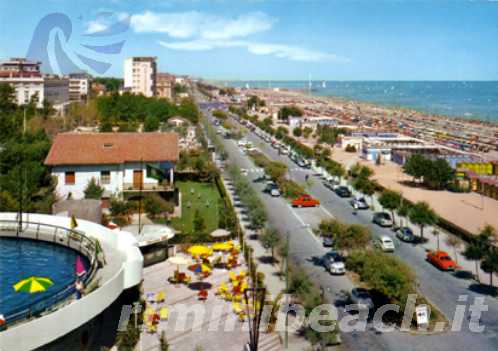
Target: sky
x,y
261,39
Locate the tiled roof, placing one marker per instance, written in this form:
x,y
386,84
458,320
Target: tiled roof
x,y
112,148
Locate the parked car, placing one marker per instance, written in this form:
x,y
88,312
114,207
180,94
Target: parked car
x,y
441,260
361,297
383,219
301,163
328,241
385,243
343,191
359,203
269,187
275,192
334,263
329,184
405,234
305,200
244,172
242,142
284,151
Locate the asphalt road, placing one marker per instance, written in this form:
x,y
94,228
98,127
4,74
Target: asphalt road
x,y
442,288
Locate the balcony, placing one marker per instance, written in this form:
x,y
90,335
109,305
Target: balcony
x,y
148,187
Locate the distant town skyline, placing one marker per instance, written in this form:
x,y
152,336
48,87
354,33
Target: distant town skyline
x,y
270,40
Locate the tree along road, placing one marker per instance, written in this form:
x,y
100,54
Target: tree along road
x,y
441,288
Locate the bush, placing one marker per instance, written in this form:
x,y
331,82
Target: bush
x,y
290,189
346,236
155,206
350,148
93,190
151,123
386,274
120,207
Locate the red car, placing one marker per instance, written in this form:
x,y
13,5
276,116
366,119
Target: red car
x,y
305,201
441,260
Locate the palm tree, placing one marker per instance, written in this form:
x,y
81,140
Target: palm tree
x,y
455,242
390,200
403,211
436,233
474,252
422,215
489,264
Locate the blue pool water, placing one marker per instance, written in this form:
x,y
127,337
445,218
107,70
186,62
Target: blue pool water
x,y
21,258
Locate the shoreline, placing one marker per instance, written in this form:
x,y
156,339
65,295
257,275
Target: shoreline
x,y
389,107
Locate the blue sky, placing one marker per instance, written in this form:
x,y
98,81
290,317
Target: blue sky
x,y
277,40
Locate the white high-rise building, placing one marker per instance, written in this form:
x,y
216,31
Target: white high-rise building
x,y
140,74
78,86
30,85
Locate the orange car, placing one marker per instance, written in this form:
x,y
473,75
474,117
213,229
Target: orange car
x,y
441,260
305,201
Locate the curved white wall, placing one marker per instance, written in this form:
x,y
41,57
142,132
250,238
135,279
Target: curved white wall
x,y
124,267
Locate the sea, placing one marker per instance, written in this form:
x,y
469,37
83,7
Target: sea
x,y
476,100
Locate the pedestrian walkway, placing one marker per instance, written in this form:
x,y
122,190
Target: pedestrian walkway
x,y
274,281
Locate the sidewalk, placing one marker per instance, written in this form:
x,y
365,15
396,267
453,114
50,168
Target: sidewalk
x,y
275,284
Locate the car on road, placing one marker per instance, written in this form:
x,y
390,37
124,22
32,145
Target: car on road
x,y
301,163
275,192
359,203
329,184
385,243
405,234
383,219
305,200
441,260
343,191
328,241
272,189
242,142
361,297
334,263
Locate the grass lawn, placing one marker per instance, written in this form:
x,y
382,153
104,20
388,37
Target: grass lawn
x,y
197,196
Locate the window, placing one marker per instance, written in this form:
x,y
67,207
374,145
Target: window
x,y
105,177
69,178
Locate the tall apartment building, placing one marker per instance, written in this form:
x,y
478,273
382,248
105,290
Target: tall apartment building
x,y
78,86
25,77
140,75
164,87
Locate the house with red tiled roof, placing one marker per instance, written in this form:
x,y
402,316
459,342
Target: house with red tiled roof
x,y
120,162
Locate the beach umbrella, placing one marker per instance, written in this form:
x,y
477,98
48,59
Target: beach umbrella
x,y
179,261
73,223
33,284
226,246
199,268
200,250
79,267
220,233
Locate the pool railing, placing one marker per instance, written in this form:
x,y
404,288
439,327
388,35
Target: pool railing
x,y
71,238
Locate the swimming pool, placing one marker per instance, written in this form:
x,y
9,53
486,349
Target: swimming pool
x,y
22,258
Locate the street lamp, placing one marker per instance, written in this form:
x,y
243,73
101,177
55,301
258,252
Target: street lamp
x,y
254,299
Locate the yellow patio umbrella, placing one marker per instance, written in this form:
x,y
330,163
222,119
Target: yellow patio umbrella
x,y
226,246
33,284
200,250
199,268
